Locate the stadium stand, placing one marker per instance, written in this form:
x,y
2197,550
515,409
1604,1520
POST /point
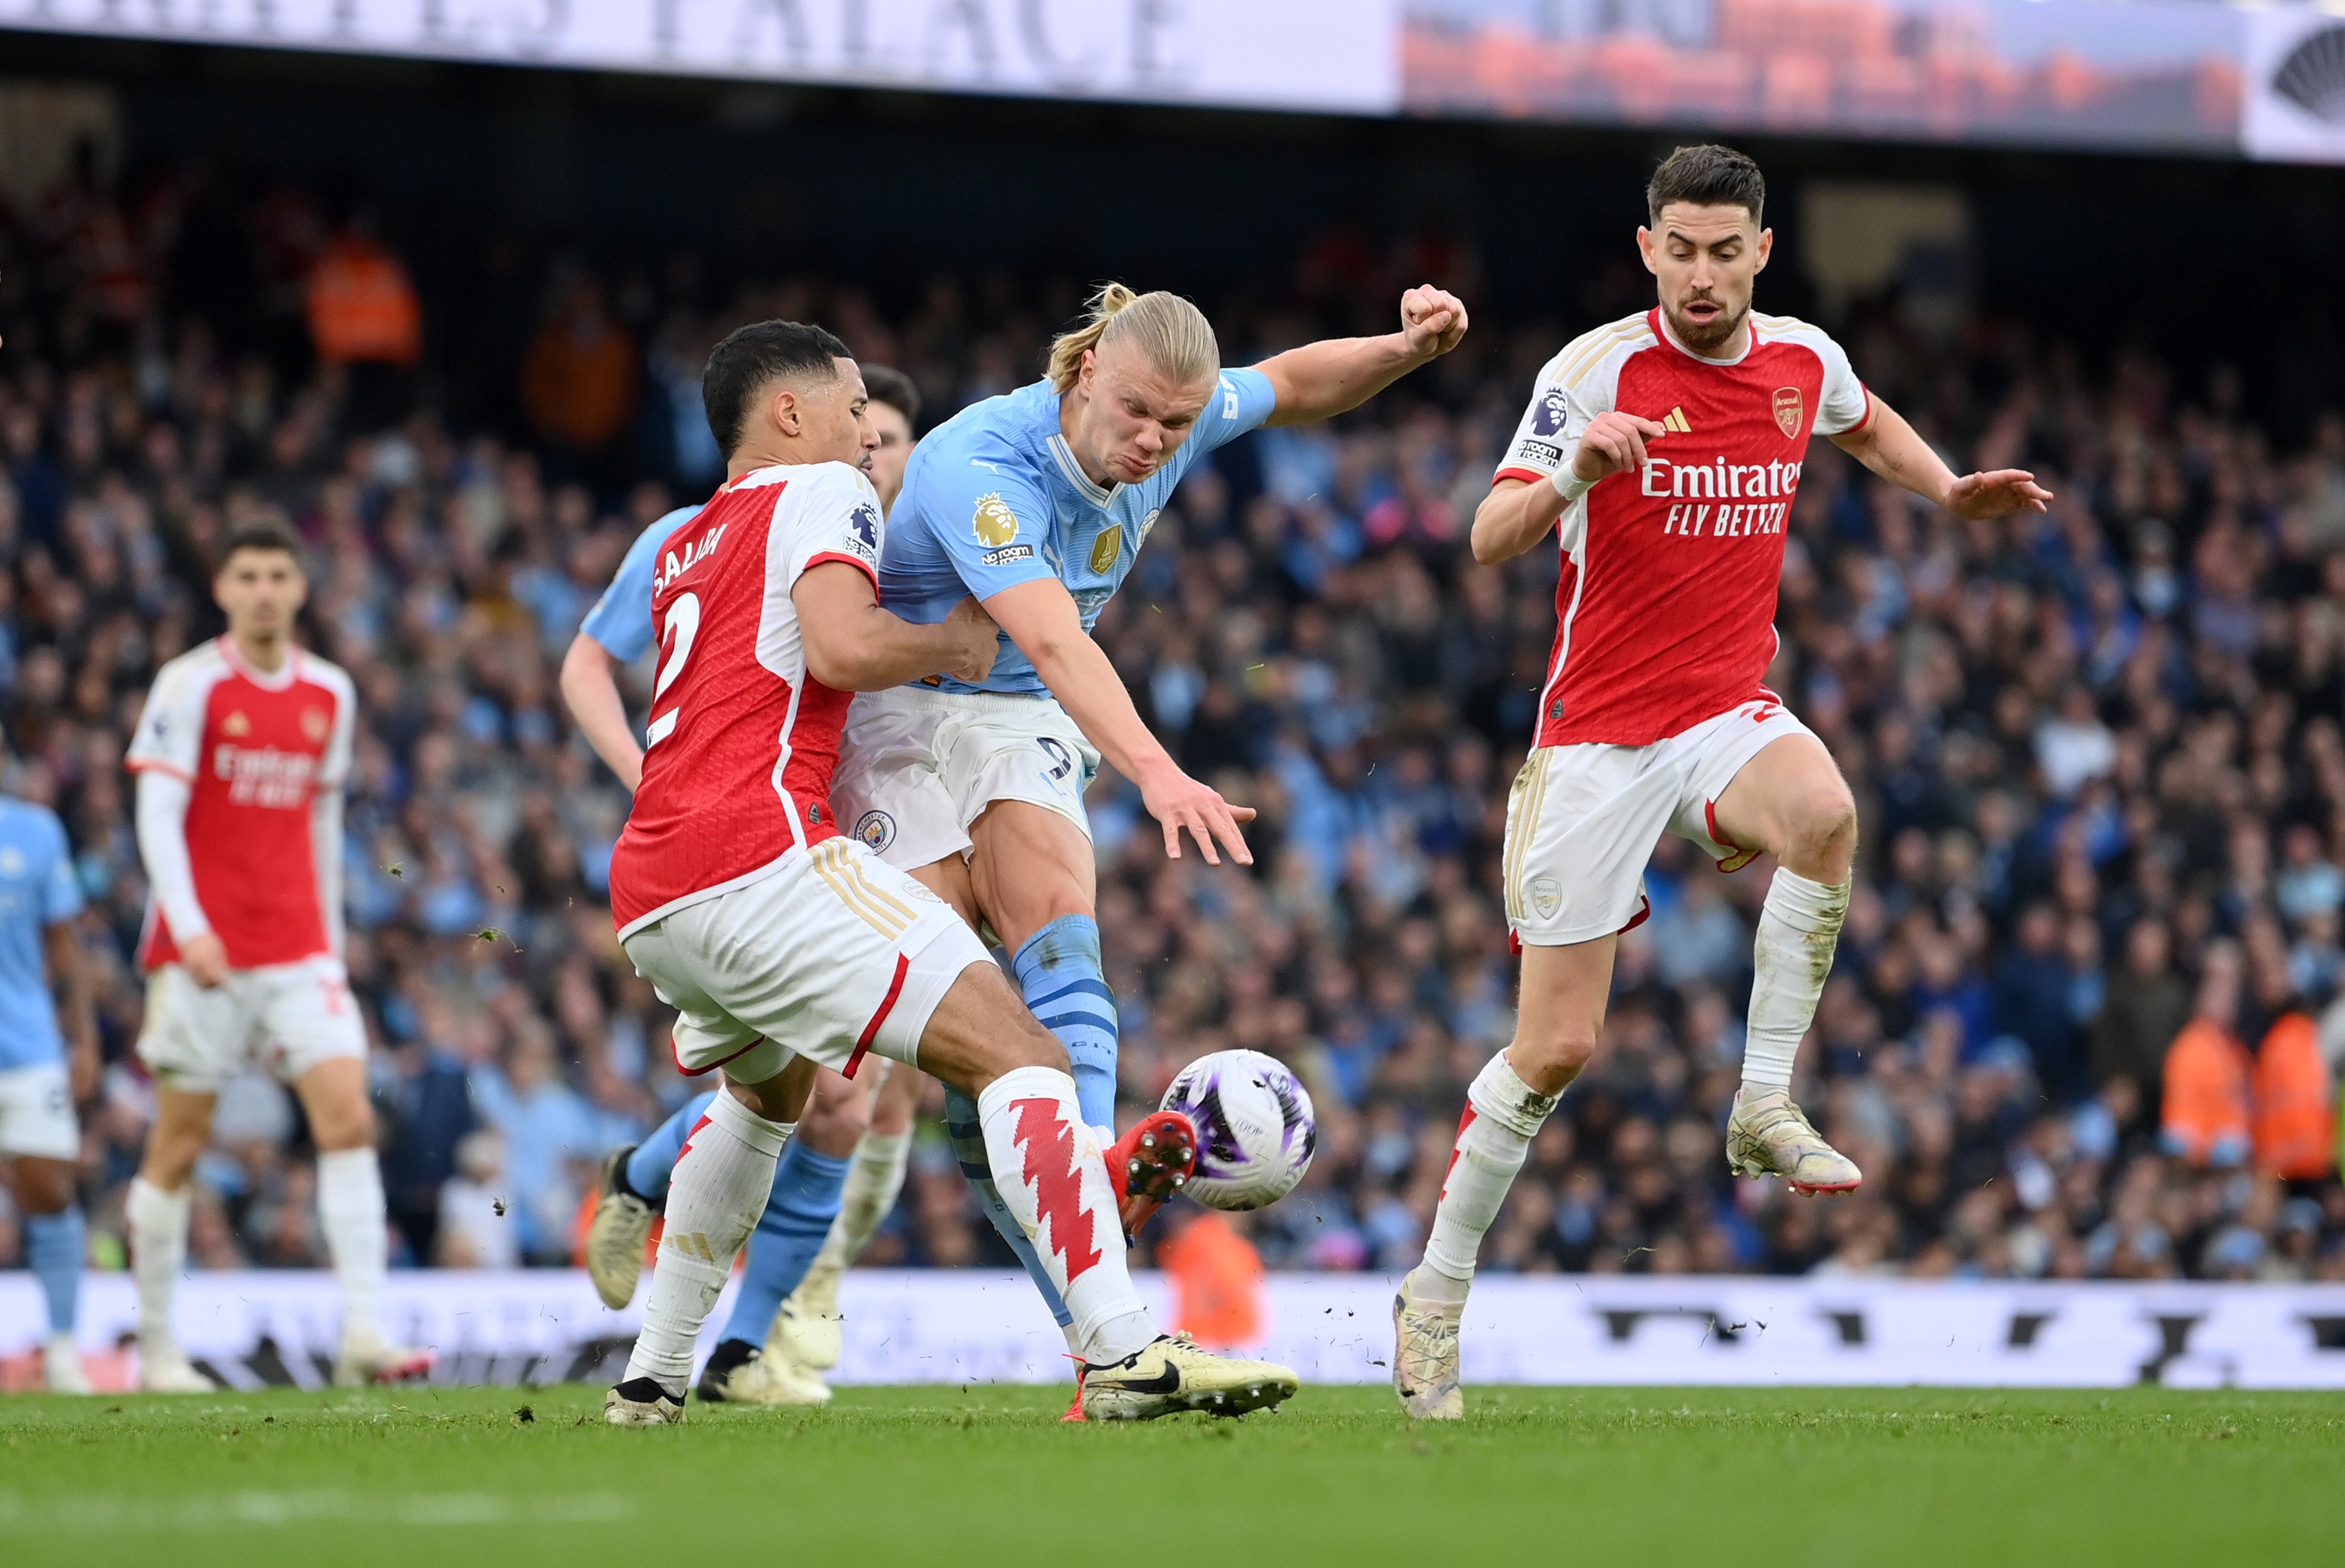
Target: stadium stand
x,y
2098,753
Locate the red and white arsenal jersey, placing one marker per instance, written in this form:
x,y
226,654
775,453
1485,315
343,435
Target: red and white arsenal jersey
x,y
254,749
1666,610
742,741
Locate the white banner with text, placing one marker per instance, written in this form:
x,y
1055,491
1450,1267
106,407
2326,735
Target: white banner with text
x,y
256,1329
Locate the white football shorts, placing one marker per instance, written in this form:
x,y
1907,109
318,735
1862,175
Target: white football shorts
x,y
916,767
836,952
283,1018
37,1114
1582,820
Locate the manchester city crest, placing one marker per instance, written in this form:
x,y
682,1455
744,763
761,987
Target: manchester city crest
x,y
876,830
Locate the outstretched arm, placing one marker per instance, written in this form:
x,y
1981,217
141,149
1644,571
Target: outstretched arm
x,y
1336,375
1891,448
69,973
590,688
1042,620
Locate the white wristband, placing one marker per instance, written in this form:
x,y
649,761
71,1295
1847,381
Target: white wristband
x,y
1569,484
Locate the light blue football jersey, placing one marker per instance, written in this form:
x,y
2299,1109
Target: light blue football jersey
x,y
38,890
621,619
993,497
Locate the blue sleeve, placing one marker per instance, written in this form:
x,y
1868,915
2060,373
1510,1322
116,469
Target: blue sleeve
x,y
1242,401
621,619
991,520
60,890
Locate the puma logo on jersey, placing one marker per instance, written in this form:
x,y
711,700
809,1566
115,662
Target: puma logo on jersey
x,y
1676,420
674,565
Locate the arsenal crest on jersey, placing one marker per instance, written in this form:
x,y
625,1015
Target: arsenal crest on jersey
x,y
1789,412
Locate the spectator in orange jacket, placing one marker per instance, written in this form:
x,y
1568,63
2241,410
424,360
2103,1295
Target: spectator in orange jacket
x,y
578,379
362,307
2206,1071
2295,1103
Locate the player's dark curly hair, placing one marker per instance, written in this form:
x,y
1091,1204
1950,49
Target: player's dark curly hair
x,y
891,386
753,355
1706,176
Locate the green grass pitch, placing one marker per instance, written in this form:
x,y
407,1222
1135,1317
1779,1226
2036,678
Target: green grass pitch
x,y
429,1478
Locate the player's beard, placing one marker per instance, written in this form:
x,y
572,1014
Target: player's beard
x,y
1701,338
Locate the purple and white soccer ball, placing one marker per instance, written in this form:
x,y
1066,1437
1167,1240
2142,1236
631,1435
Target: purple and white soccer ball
x,y
1255,1127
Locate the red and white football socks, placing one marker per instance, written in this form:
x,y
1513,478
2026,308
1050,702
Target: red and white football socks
x,y
1799,928
720,1186
1503,1113
1052,1177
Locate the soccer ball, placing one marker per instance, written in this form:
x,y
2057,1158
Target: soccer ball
x,y
1255,1129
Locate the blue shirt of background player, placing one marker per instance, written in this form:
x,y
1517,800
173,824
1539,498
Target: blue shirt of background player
x,y
993,497
38,891
621,619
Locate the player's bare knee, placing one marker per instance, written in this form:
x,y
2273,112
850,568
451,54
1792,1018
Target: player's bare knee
x,y
343,1126
44,1186
1821,834
835,1123
1549,1058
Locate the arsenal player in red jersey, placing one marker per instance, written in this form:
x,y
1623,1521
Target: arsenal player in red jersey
x,y
1668,446
241,753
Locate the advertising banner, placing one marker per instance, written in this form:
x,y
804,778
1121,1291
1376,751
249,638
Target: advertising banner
x,y
259,1329
1325,55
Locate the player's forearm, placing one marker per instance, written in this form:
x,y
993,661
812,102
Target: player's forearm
x,y
1515,515
1319,381
1893,449
69,975
162,824
876,649
326,848
590,691
1081,676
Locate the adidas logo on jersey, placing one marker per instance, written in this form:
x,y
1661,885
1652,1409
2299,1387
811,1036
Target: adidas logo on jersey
x,y
1676,420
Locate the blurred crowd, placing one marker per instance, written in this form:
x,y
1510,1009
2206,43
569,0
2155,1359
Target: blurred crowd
x,y
2098,756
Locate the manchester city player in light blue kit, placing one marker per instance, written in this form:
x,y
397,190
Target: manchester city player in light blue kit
x,y
1038,502
40,1079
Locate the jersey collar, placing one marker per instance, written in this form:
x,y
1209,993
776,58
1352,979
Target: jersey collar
x,y
1662,330
1098,495
267,680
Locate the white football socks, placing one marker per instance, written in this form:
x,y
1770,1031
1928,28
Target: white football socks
x,y
159,1253
1503,1113
722,1182
1799,928
350,1206
873,1184
1053,1178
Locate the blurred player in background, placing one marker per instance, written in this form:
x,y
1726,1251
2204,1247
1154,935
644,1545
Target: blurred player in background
x,y
241,753
1038,502
1669,445
45,1070
840,1176
734,893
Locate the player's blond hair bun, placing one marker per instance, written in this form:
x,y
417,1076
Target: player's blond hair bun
x,y
1173,333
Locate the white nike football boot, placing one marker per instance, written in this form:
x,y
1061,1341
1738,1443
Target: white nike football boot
x,y
61,1369
759,1377
1425,1355
616,1240
163,1369
367,1358
1172,1373
1769,1136
807,1327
